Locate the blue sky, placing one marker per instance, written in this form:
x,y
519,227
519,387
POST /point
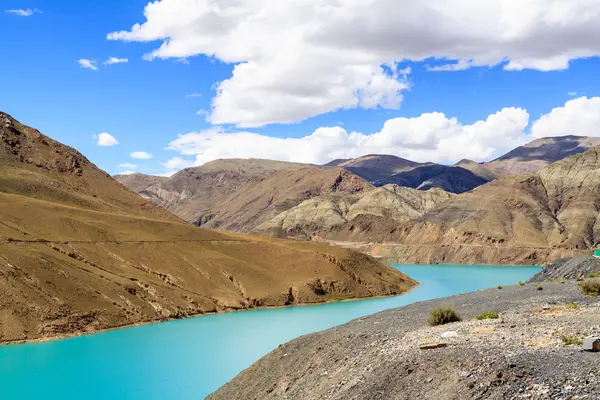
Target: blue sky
x,y
145,104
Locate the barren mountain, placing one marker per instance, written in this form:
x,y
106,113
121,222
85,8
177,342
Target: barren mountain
x,y
323,215
79,252
478,169
375,167
449,178
539,153
526,218
239,195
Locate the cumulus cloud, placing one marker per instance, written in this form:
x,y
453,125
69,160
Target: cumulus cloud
x,y
294,60
115,60
141,155
24,12
177,163
580,117
106,140
128,166
88,64
430,137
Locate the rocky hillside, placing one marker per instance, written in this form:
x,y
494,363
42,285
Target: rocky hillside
x,y
569,268
324,215
375,167
79,252
449,178
535,155
527,218
532,350
239,195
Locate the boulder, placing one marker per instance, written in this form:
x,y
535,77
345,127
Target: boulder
x,y
592,344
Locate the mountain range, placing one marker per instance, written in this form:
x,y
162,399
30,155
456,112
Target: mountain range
x,y
79,252
507,210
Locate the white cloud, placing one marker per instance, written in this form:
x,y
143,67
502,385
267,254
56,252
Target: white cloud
x,y
572,94
24,12
294,60
177,163
128,166
429,137
580,117
141,155
126,172
115,60
89,64
106,139
192,95
460,65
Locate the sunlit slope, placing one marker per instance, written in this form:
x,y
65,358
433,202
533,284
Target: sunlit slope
x,y
79,252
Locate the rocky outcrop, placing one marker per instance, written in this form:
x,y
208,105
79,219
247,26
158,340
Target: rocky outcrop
x,y
375,167
79,253
569,268
324,216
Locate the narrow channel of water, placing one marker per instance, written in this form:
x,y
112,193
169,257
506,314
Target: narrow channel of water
x,y
188,359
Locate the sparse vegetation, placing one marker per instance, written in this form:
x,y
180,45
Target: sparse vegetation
x,y
540,287
571,340
550,279
572,306
488,315
594,275
521,283
442,315
591,287
499,287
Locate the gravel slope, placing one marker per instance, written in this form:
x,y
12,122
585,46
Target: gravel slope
x,y
520,355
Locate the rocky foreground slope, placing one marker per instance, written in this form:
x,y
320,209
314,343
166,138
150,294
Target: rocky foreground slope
x,y
531,352
79,252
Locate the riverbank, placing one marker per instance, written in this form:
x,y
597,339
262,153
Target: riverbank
x,y
519,355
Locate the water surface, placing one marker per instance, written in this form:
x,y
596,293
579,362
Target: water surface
x,y
188,359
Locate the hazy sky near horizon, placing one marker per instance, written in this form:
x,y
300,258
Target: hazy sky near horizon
x,y
156,87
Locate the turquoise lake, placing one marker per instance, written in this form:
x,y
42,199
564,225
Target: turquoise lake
x,y
188,359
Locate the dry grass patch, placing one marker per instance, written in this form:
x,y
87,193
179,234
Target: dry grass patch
x,y
442,316
590,287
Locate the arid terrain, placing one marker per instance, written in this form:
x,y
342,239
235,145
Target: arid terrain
x,y
79,253
532,350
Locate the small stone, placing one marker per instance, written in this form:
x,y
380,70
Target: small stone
x,y
592,344
449,334
429,346
464,374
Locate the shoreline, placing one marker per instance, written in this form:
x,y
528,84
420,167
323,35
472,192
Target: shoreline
x,y
198,315
226,311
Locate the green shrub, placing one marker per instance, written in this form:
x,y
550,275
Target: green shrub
x,y
521,283
572,306
499,287
488,315
594,275
591,287
441,316
571,340
550,279
540,287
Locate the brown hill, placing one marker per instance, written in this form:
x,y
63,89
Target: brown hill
x,y
334,214
529,218
79,252
239,195
537,154
374,167
478,169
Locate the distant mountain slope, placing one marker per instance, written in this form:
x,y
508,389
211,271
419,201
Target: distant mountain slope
x,y
451,179
478,169
138,182
239,195
541,152
322,215
80,252
526,218
374,167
